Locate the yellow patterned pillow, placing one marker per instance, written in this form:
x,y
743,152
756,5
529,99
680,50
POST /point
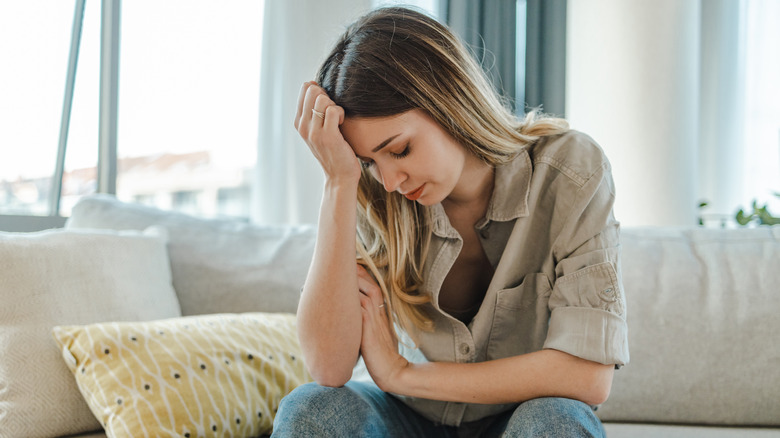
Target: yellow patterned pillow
x,y
198,376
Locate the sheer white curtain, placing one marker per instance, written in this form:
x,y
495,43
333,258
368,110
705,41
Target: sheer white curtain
x,y
722,73
740,105
297,35
684,97
761,135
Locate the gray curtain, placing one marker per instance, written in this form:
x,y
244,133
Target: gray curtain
x,y
545,55
491,27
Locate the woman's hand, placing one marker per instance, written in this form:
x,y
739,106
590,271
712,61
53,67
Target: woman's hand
x,y
320,130
378,346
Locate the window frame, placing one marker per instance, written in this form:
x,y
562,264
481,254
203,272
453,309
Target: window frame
x,y
110,20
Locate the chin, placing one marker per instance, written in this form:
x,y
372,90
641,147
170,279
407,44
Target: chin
x,y
428,200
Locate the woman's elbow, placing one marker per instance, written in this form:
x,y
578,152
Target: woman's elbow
x,y
327,373
328,365
331,378
597,395
601,384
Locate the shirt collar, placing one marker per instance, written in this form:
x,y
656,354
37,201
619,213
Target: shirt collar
x,y
509,200
511,189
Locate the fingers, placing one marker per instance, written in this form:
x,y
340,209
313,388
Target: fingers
x,y
366,303
299,109
321,105
316,112
307,97
367,284
308,103
334,115
322,135
370,310
369,287
311,96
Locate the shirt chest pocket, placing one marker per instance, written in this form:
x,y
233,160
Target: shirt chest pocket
x,y
521,318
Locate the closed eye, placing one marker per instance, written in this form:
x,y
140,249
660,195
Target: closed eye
x,y
401,154
366,163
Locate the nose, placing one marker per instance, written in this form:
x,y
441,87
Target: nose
x,y
391,177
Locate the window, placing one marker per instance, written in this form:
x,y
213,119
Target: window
x,y
188,102
186,201
232,201
741,138
36,40
761,139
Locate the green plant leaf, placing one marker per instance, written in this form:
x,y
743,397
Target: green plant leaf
x,y
765,217
742,219
760,214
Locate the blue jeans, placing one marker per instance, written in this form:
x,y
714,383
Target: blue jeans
x,y
364,410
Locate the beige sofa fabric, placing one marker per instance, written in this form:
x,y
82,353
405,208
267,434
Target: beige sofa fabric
x,y
702,306
616,430
67,277
218,266
704,327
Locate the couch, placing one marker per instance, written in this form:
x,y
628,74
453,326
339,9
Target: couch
x,y
211,303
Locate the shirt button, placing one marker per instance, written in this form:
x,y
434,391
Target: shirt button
x,y
464,349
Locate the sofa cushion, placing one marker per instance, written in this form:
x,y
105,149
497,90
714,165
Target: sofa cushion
x,y
703,308
622,430
68,277
218,265
214,375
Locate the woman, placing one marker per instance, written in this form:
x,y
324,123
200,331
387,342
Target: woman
x,y
486,299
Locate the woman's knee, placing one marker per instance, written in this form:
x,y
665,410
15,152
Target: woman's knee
x,y
313,396
554,417
314,410
315,403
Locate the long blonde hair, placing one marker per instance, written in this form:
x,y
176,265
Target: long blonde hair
x,y
393,60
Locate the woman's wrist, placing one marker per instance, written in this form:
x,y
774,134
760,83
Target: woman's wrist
x,y
398,382
342,182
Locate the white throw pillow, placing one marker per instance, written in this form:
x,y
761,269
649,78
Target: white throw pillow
x,y
66,277
218,265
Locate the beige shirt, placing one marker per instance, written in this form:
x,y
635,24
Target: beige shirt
x,y
553,242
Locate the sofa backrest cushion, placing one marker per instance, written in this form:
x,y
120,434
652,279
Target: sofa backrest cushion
x,y
704,323
218,265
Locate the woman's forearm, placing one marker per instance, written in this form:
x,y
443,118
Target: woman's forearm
x,y
329,320
545,373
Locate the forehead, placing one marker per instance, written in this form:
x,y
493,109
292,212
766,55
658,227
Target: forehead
x,y
364,134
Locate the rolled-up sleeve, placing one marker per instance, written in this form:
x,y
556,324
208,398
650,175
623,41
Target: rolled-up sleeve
x,y
587,304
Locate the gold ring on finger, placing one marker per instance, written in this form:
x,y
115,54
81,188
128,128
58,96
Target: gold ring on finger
x,y
318,113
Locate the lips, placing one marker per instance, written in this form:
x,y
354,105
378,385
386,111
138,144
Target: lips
x,y
415,194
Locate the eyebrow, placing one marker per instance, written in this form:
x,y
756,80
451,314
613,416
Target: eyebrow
x,y
384,143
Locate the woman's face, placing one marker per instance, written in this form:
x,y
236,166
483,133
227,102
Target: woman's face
x,y
408,153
